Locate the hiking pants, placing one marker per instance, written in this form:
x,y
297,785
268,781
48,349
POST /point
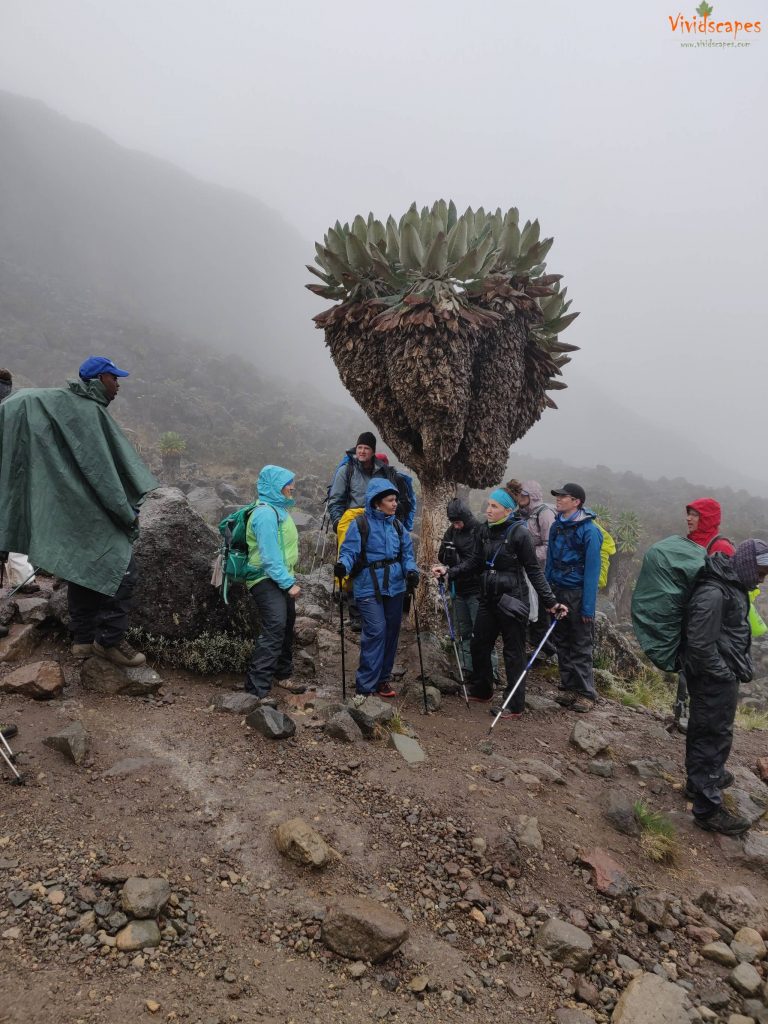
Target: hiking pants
x,y
378,640
95,616
709,738
488,624
574,641
465,608
273,651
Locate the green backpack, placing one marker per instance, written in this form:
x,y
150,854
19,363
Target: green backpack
x,y
234,548
664,587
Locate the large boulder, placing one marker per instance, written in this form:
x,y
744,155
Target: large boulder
x,y
616,651
144,897
102,676
206,502
648,999
174,552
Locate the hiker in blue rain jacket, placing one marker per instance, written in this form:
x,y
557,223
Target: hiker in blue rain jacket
x,y
380,577
573,572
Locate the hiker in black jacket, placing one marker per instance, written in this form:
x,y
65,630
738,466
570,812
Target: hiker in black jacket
x,y
502,556
456,547
716,658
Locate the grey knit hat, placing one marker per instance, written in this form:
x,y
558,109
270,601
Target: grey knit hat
x,y
745,561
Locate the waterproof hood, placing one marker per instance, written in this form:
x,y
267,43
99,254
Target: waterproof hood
x,y
272,479
710,516
92,389
535,490
458,509
375,489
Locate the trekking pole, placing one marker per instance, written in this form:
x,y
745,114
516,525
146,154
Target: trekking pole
x,y
523,674
421,659
9,758
26,581
341,630
441,589
321,532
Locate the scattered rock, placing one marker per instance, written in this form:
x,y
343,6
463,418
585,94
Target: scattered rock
x,y
720,953
527,833
535,702
357,969
444,684
604,768
20,642
361,929
653,768
649,908
297,840
566,1015
271,723
418,983
626,963
113,874
648,999
621,813
33,609
587,737
609,876
407,748
761,768
541,770
129,766
565,943
344,728
236,703
101,676
40,680
755,852
748,945
373,714
73,741
740,802
745,979
434,698
144,897
152,1005
138,935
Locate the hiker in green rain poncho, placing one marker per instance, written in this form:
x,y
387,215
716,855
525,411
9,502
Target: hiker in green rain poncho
x,y
70,489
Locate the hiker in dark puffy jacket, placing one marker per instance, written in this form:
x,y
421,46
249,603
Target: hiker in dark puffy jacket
x,y
703,518
379,585
573,571
716,658
502,556
539,518
457,546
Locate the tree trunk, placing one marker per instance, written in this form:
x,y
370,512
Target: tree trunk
x,y
435,495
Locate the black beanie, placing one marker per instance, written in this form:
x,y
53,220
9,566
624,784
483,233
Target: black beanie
x,y
367,438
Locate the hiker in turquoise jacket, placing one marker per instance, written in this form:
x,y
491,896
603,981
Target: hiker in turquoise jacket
x,y
273,549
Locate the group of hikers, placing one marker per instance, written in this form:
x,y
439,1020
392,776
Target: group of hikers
x,y
71,488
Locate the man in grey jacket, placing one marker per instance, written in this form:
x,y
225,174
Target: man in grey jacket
x,y
352,478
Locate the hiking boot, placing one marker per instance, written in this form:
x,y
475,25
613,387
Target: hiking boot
x,y
727,780
506,714
385,690
9,731
480,697
120,654
291,686
723,822
83,650
566,698
581,704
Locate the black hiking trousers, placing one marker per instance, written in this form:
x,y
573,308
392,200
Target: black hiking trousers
x,y
574,641
490,621
709,738
99,617
273,651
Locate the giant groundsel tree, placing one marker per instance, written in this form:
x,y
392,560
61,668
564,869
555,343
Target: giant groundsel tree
x,y
446,331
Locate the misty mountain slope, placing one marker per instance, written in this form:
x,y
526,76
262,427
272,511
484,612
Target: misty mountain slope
x,y
592,426
227,411
155,243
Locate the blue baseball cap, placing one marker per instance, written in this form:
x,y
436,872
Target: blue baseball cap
x,y
94,365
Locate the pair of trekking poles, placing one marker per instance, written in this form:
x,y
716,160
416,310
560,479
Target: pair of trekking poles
x,y
523,674
418,643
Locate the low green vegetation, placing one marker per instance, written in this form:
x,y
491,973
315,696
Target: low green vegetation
x,y
750,718
658,838
648,689
207,654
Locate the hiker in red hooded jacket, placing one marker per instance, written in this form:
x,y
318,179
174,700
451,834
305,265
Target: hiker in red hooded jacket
x,y
703,518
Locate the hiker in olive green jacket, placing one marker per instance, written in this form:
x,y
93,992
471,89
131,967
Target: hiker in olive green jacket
x,y
273,548
71,485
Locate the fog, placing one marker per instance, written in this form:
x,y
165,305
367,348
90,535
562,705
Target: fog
x,y
643,157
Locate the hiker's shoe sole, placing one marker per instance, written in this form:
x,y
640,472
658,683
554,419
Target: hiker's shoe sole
x,y
113,654
565,700
719,823
290,686
82,650
9,731
480,700
582,705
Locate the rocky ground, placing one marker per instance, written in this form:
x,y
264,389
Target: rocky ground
x,y
143,871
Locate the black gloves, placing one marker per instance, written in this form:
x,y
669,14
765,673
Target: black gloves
x,y
339,571
412,581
